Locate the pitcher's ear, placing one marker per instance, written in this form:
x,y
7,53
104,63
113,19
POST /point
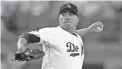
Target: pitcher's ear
x,y
59,15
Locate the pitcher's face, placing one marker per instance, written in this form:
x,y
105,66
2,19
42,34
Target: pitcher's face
x,y
68,18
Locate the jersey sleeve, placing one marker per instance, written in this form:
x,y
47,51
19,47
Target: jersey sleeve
x,y
38,36
31,37
41,36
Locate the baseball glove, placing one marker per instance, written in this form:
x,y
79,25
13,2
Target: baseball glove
x,y
29,54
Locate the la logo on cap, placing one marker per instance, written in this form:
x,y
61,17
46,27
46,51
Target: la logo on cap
x,y
68,6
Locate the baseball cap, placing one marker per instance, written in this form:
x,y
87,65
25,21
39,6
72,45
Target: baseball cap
x,y
68,7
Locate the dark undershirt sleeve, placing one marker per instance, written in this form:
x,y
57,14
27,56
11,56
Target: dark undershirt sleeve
x,y
31,38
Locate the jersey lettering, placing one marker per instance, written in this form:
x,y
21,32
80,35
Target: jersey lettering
x,y
72,48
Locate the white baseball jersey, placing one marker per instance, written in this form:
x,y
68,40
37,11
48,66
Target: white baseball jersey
x,y
62,49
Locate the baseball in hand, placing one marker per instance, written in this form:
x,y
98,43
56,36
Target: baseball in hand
x,y
99,29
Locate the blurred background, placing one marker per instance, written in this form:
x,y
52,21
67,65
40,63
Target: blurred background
x,y
102,50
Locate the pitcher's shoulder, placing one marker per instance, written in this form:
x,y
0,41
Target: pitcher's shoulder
x,y
47,29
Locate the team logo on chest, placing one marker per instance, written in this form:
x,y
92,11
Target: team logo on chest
x,y
72,48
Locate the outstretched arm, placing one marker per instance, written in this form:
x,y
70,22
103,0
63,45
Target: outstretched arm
x,y
26,54
83,32
95,27
26,38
